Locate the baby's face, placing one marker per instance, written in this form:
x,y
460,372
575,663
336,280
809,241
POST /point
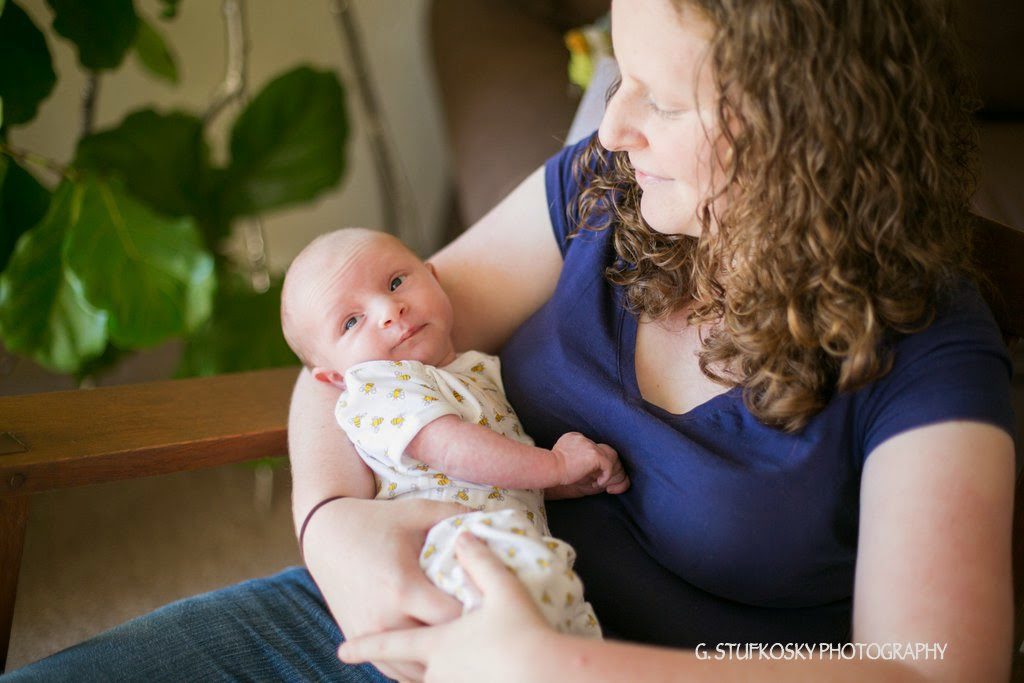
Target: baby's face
x,y
378,302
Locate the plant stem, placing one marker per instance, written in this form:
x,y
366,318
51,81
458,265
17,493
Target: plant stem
x,y
25,156
233,87
256,254
398,213
90,92
8,362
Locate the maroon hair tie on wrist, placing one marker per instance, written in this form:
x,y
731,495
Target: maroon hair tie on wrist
x,y
305,522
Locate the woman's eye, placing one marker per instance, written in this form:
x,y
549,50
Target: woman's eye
x,y
350,323
613,89
397,281
667,113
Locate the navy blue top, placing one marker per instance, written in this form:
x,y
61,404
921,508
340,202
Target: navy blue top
x,y
732,531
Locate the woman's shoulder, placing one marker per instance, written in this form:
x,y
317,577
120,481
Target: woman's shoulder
x,y
961,316
955,368
563,185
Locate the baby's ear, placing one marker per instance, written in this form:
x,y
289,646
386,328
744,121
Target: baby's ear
x,y
431,268
335,379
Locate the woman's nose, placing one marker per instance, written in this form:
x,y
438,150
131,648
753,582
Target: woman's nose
x,y
618,131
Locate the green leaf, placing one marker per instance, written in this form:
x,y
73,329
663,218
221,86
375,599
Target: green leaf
x,y
2,3
272,461
244,333
26,70
42,314
103,30
23,203
92,367
288,145
149,272
162,158
153,53
214,225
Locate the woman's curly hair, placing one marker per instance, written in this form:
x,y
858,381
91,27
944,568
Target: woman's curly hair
x,y
848,177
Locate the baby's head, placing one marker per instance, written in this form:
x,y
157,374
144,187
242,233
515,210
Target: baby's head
x,y
356,295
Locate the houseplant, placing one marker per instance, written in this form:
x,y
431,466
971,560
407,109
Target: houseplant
x,y
122,248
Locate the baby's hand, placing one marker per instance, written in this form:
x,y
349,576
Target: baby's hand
x,y
587,468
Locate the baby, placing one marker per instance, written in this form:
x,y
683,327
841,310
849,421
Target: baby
x,y
363,313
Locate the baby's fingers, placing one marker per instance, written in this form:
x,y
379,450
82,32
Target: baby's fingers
x,y
609,465
618,481
618,484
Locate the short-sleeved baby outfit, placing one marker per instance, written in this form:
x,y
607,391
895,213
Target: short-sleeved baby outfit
x,y
386,403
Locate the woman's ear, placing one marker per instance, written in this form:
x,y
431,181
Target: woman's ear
x,y
335,379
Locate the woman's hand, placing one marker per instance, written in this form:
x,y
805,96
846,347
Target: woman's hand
x,y
364,555
486,644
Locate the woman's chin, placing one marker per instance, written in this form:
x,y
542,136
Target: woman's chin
x,y
669,220
672,227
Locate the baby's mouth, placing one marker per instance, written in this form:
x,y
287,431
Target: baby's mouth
x,y
412,331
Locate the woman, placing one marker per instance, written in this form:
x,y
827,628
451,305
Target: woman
x,y
755,296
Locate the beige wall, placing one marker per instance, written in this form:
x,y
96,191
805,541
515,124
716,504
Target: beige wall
x,y
282,34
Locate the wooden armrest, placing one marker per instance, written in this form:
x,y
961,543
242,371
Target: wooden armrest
x,y
72,438
999,253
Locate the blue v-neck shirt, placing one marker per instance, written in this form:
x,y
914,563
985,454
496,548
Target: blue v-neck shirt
x,y
732,531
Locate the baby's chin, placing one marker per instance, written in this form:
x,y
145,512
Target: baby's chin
x,y
436,358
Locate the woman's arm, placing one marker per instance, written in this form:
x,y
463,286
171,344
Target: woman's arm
x,y
934,554
321,464
499,272
507,640
933,566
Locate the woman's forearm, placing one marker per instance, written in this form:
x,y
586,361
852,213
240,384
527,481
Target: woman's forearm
x,y
323,461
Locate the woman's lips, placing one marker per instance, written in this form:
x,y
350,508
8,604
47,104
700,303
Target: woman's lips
x,y
644,178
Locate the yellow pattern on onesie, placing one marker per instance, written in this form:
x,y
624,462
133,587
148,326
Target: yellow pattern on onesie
x,y
389,402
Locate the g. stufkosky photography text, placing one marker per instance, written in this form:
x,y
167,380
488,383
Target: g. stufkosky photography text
x,y
821,651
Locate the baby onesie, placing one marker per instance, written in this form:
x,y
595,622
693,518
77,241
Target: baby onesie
x,y
384,406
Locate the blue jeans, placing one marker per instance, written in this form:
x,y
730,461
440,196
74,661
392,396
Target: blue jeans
x,y
272,629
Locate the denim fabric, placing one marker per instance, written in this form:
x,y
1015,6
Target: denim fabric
x,y
272,629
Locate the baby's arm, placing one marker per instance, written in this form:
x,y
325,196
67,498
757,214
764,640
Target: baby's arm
x,y
469,451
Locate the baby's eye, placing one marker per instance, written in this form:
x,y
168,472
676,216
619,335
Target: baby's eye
x,y
396,282
350,323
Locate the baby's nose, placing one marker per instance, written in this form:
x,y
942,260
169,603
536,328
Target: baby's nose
x,y
391,313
